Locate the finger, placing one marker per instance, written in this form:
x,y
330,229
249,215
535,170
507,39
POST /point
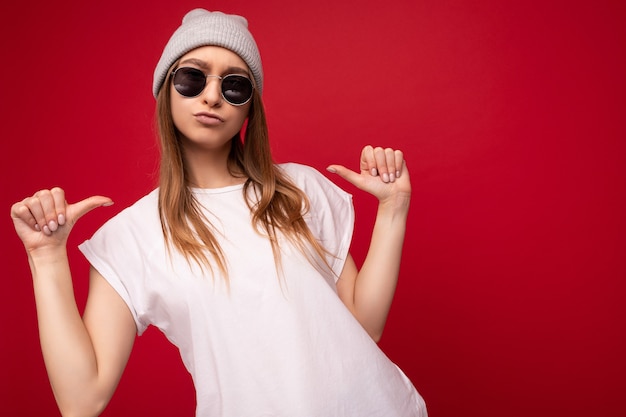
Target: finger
x,y
53,203
49,203
22,212
381,163
47,219
390,160
399,161
58,195
368,161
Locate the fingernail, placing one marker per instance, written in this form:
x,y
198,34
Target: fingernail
x,y
392,177
61,220
46,230
397,173
385,177
331,169
374,172
52,225
37,228
110,203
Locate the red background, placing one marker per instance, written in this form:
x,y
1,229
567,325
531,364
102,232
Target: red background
x,y
511,114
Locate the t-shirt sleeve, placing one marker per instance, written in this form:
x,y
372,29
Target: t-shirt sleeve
x,y
331,214
117,253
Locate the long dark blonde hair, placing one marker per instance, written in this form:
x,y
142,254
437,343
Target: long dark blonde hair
x,y
278,205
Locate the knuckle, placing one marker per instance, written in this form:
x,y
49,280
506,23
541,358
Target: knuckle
x,y
18,209
42,194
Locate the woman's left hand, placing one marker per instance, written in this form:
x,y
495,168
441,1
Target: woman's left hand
x,y
383,173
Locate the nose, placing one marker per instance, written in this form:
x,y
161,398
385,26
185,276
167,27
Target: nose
x,y
212,94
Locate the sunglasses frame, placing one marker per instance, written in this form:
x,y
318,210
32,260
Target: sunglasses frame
x,y
206,76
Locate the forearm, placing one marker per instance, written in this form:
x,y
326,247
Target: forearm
x,y
368,293
66,346
376,281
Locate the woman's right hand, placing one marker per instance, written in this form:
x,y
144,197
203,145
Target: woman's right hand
x,y
44,221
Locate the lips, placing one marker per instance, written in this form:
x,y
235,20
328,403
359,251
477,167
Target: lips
x,y
210,119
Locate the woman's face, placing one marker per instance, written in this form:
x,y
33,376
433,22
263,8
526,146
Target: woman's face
x,y
207,122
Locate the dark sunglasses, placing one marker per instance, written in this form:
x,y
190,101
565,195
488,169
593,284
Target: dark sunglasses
x,y
190,82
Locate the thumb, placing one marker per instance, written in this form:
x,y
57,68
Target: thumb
x,y
79,209
345,173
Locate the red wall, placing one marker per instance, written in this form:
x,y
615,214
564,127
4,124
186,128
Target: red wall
x,y
511,114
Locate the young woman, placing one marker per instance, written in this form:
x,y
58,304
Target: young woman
x,y
242,263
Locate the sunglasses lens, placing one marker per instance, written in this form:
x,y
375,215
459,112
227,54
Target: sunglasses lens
x,y
189,82
237,89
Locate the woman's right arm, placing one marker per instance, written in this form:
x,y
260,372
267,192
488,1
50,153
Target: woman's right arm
x,y
84,356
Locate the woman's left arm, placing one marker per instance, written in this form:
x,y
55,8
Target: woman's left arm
x,y
368,292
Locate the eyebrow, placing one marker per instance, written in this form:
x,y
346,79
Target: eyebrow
x,y
204,66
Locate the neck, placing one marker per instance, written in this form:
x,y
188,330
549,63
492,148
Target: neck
x,y
210,169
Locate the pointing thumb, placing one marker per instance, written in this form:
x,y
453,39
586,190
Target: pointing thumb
x,y
81,208
345,173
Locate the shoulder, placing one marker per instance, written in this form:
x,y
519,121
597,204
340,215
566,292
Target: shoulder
x,y
326,199
134,233
135,219
298,171
310,180
146,207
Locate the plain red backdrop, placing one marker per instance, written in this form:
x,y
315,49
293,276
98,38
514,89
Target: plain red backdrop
x,y
512,118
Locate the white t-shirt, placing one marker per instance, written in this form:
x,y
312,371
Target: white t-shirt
x,y
269,345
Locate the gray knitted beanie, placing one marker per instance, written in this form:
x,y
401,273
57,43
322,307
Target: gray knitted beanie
x,y
202,28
